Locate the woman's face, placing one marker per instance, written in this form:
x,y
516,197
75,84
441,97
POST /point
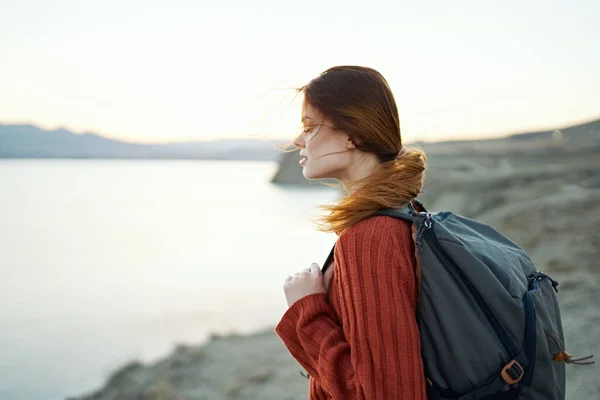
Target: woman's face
x,y
324,151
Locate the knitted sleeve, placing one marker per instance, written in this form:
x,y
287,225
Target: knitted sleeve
x,y
374,351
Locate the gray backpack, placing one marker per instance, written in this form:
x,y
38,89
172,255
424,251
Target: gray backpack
x,y
490,323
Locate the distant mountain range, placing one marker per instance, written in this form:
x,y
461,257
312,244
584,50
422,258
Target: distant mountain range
x,y
28,141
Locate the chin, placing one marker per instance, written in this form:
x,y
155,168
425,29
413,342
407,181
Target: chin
x,y
316,175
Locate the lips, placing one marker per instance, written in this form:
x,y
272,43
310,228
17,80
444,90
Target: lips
x,y
303,160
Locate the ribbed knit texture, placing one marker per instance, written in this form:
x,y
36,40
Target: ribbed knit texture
x,y
361,340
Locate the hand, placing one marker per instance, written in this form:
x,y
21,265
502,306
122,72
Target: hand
x,y
309,281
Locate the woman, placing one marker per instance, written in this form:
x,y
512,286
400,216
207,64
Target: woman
x,y
354,328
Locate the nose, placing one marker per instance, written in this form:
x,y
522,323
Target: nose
x,y
299,141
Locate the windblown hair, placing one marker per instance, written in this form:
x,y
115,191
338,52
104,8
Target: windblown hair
x,y
358,101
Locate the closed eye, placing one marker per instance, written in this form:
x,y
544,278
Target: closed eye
x,y
310,128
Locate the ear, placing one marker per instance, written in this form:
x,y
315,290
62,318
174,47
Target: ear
x,y
350,145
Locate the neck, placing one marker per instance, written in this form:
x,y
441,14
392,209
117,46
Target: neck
x,y
359,169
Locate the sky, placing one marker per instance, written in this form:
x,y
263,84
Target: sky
x,y
156,71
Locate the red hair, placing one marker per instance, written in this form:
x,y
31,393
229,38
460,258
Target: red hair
x,y
359,102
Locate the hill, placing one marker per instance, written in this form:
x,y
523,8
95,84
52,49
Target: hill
x,y
28,141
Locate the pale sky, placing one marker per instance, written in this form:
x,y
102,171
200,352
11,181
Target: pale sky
x,y
178,70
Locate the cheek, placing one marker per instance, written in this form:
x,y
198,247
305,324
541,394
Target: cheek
x,y
324,143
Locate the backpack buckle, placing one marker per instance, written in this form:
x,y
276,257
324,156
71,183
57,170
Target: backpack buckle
x,y
512,372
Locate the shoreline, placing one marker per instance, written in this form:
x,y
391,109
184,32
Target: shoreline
x,y
544,197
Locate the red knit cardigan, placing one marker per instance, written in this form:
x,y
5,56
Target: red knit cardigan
x,y
361,340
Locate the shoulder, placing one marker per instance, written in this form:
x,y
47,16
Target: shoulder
x,y
377,228
374,235
378,243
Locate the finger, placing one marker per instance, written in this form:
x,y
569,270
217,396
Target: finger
x,y
307,270
315,269
289,278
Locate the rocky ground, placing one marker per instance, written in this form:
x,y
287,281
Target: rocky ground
x,y
542,193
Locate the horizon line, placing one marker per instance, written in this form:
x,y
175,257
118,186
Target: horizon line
x,y
453,138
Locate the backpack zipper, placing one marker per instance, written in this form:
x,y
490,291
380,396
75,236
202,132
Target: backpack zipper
x,y
501,333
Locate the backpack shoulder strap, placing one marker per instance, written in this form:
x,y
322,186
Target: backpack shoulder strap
x,y
406,213
329,260
400,213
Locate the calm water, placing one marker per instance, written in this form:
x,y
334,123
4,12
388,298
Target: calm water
x,y
105,261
